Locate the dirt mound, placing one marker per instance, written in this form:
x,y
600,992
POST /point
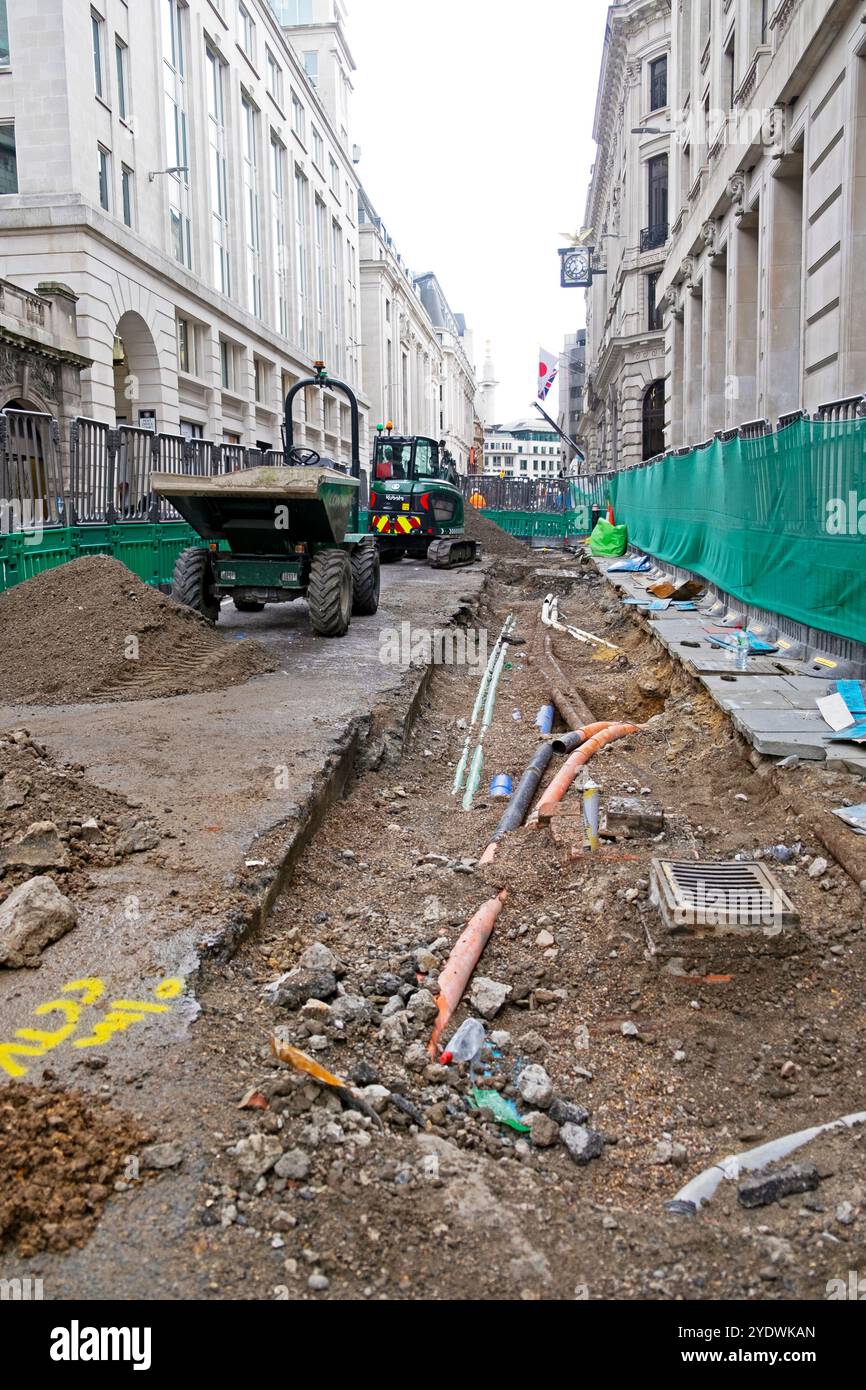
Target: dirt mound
x,y
494,540
94,827
59,1157
91,630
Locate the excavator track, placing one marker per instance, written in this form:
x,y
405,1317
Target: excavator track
x,y
448,552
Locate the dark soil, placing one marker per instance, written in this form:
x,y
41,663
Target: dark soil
x,y
494,541
92,631
60,1155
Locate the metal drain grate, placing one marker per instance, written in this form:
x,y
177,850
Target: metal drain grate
x,y
719,897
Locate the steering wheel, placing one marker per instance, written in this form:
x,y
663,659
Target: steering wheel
x,y
305,458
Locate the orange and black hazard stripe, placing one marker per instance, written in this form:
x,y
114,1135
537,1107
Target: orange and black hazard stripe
x,y
396,525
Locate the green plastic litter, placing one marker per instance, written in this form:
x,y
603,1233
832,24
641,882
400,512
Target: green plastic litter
x,y
608,540
504,1111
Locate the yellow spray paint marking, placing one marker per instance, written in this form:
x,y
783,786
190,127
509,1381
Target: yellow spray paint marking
x,y
121,1014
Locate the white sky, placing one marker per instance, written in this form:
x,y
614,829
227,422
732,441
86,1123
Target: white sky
x,y
475,122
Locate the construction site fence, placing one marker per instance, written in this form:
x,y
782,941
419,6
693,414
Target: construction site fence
x,y
149,549
775,518
491,493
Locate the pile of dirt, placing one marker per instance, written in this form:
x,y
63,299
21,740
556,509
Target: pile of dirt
x,y
494,540
89,827
60,1155
92,631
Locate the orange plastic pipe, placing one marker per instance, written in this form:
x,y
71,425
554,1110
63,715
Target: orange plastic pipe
x,y
461,963
579,758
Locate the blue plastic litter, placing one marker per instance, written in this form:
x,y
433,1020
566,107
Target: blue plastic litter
x,y
756,646
544,718
501,785
852,735
635,564
854,695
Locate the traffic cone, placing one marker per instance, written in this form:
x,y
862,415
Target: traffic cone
x,y
610,516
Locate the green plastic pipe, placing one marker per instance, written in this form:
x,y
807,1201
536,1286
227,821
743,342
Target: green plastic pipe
x,y
460,772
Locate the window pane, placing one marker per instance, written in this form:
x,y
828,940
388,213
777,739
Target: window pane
x,y
120,55
4,36
8,161
126,191
96,29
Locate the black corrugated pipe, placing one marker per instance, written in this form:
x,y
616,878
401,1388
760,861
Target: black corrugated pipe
x,y
529,783
566,743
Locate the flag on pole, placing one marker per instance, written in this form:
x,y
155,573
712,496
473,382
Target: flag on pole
x,y
548,366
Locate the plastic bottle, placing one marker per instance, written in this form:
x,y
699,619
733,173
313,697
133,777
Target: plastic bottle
x,y
742,649
466,1044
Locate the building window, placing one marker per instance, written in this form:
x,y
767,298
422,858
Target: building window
x,y
656,233
186,356
172,35
219,195
275,79
335,176
104,176
279,236
301,257
97,32
654,420
765,21
120,70
227,374
318,149
127,194
247,32
320,224
659,83
337,293
298,117
262,373
311,67
290,12
654,318
8,160
251,207
4,36
731,68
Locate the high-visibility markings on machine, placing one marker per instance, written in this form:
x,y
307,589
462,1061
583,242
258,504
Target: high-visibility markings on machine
x,y
396,525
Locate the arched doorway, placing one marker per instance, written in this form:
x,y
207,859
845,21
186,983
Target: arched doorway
x,y
137,383
654,420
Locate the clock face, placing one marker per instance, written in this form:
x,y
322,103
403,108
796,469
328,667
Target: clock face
x,y
576,267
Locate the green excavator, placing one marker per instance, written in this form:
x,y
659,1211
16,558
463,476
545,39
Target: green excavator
x,y
416,507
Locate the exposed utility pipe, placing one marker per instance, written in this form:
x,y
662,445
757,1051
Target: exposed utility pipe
x,y
550,618
528,785
600,737
462,961
477,763
585,715
701,1188
479,703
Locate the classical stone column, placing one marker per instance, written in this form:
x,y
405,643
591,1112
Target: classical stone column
x,y
715,343
694,365
742,323
783,362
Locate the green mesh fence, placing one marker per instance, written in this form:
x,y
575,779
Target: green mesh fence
x,y
778,521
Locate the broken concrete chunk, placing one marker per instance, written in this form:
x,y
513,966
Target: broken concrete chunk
x,y
256,1154
566,1112
488,996
13,791
543,1131
140,838
294,1165
535,1086
583,1144
320,957
40,847
295,988
35,914
761,1189
159,1156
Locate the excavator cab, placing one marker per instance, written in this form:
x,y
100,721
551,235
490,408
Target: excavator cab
x,y
416,506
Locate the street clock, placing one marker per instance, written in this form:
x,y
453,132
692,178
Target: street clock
x,y
576,267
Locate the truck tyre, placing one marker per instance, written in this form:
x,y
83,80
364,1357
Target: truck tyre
x,y
391,554
365,581
193,582
330,593
246,605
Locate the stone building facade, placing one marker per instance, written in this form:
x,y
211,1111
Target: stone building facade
x,y
458,387
749,307
765,275
403,358
572,383
184,167
627,210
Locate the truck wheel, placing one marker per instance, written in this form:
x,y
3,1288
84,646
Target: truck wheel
x,y
193,582
365,581
390,555
246,605
330,593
